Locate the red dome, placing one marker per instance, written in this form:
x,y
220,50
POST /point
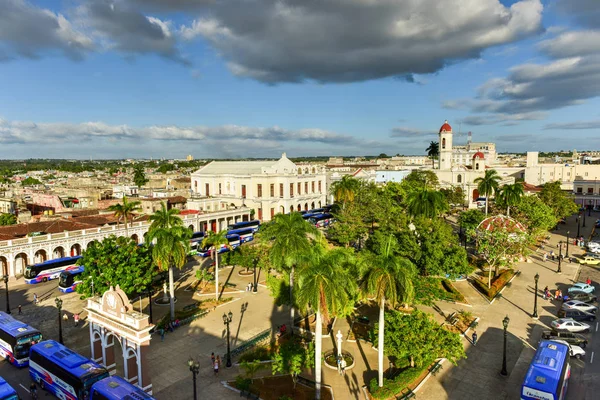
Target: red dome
x,y
446,127
478,155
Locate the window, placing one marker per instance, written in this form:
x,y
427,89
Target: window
x,y
319,186
260,214
590,190
568,174
272,187
272,213
305,187
291,190
459,179
299,171
219,188
477,166
195,186
551,173
281,190
243,191
207,189
312,185
586,174
579,190
299,188
443,143
259,192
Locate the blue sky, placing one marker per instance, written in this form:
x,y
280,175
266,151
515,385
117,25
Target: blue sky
x,y
255,78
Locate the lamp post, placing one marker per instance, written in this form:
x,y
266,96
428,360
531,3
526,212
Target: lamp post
x,y
559,256
536,279
255,286
7,300
567,253
505,322
579,222
195,369
227,318
150,302
589,213
59,307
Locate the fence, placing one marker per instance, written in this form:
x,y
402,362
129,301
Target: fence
x,y
254,341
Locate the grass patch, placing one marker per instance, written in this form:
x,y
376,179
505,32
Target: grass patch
x,y
260,353
280,387
498,283
395,387
429,290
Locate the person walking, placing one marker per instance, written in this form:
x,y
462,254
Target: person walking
x,y
545,257
35,299
212,359
339,364
76,319
343,365
33,391
588,281
216,365
20,311
161,331
474,337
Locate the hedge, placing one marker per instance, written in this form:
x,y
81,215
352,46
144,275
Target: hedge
x,y
497,284
394,387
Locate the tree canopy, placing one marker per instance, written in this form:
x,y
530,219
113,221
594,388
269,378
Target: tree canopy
x,y
30,181
558,200
535,214
139,176
8,219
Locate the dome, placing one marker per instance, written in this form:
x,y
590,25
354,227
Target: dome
x,y
446,127
478,155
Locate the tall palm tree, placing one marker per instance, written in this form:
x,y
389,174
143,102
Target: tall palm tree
x,y
345,189
390,280
290,233
125,210
488,185
170,251
427,203
510,195
433,151
323,285
215,240
165,218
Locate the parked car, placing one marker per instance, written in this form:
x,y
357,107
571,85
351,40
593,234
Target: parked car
x,y
571,338
594,255
576,315
582,287
585,297
575,351
569,325
579,305
589,260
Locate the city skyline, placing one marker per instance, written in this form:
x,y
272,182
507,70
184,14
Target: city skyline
x,y
161,79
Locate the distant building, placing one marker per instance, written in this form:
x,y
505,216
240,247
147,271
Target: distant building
x,y
537,173
190,157
587,192
125,190
385,176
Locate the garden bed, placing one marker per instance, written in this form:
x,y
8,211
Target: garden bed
x,y
192,311
276,387
406,378
498,283
464,319
429,289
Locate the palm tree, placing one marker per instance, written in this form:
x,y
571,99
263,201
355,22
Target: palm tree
x,y
290,233
125,210
488,185
427,203
433,151
215,240
323,285
389,280
345,189
510,195
165,218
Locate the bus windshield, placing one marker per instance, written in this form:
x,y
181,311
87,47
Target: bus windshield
x,y
66,279
16,338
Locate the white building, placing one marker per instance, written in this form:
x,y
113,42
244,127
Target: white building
x,y
587,193
267,187
566,173
384,176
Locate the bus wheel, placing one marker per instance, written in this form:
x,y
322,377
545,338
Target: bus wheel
x,y
44,279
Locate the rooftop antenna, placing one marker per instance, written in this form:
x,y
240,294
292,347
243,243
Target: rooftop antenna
x,y
469,138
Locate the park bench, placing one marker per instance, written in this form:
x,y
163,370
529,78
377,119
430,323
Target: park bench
x,y
436,368
249,395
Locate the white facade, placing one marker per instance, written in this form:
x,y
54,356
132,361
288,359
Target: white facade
x,y
539,174
385,176
268,187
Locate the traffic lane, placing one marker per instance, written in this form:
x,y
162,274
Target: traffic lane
x,y
18,378
21,293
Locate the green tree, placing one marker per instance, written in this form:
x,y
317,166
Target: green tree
x,y
487,185
500,246
172,244
125,211
535,214
164,168
324,286
8,219
215,240
558,200
291,241
139,176
30,181
469,220
433,151
390,280
418,180
426,203
292,358
417,338
116,261
455,195
510,195
345,189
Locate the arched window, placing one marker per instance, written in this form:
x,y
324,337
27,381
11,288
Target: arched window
x,y
299,171
459,179
443,143
477,166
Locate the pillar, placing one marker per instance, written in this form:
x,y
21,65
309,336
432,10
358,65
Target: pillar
x,y
108,353
143,373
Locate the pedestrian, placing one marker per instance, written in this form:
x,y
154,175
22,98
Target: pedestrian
x,y
552,255
339,364
33,390
161,331
588,281
474,337
216,365
65,317
20,311
212,359
557,294
545,257
35,298
343,365
76,319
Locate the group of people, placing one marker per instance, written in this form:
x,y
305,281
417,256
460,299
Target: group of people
x,y
558,295
216,362
341,365
171,325
553,256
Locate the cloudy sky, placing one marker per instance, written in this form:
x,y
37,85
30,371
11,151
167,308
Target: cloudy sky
x,y
254,78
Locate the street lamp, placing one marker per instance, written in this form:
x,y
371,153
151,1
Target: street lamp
x,y
255,286
195,369
7,300
150,302
536,279
59,307
227,318
579,222
559,256
505,322
567,254
583,220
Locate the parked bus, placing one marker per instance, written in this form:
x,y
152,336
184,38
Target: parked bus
x,y
321,220
254,224
69,279
48,270
548,373
195,241
117,388
6,391
233,239
63,372
245,234
16,338
308,215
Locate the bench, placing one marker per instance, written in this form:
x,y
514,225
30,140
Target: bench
x,y
249,395
436,368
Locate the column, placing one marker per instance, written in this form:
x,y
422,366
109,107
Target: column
x,y
108,352
143,350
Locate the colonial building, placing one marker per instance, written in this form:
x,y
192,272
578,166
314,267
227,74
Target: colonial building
x,y
267,187
587,192
537,173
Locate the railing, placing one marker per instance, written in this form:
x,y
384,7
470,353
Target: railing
x,y
247,345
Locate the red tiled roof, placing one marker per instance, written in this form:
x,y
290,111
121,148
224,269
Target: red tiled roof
x,y
478,155
446,127
56,226
500,221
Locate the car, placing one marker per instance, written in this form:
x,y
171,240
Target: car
x,y
569,325
576,315
582,287
571,338
587,260
585,297
579,305
595,249
594,255
574,350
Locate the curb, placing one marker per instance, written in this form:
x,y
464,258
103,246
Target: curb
x,y
440,362
475,321
517,273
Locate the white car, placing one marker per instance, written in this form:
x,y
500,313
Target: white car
x,y
579,305
569,325
575,350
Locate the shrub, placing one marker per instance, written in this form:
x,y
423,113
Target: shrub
x,y
242,383
393,387
497,284
428,290
260,353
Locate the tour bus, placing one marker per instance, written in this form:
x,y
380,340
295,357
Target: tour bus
x,y
48,270
321,220
117,388
245,234
548,373
69,279
254,224
16,338
6,391
63,372
195,241
233,239
308,215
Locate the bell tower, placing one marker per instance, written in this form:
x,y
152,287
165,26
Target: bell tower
x,y
445,145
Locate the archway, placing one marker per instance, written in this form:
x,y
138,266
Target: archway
x,y
291,209
135,238
299,208
320,204
312,205
192,228
283,209
76,250
58,252
40,256
21,260
91,243
305,206
4,265
475,194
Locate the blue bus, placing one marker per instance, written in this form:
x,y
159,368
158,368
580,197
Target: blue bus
x,y
321,220
548,373
233,239
69,279
16,338
245,234
63,372
117,388
195,241
48,270
254,224
308,215
6,391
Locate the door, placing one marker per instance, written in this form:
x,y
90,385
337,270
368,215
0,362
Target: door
x,y
243,191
